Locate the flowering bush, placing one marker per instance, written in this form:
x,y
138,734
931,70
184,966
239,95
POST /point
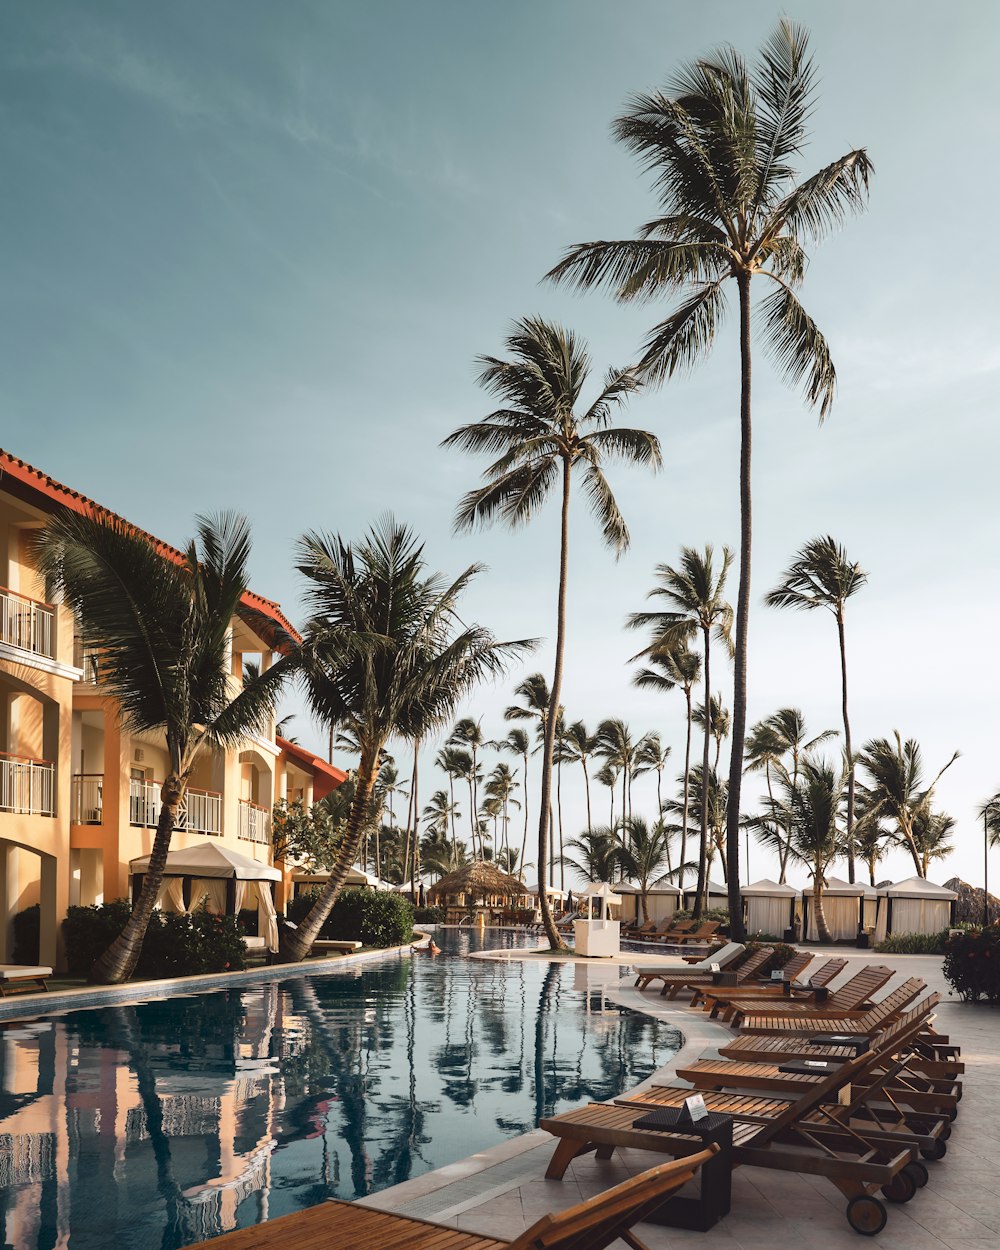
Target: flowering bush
x,y
972,964
373,917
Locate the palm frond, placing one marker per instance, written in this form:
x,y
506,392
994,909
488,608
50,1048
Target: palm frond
x,y
798,347
686,335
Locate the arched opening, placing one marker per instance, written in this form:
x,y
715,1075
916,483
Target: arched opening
x,y
28,879
29,748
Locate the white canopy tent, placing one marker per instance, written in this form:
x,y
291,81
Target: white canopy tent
x,y
843,905
355,877
224,879
916,905
769,907
718,895
662,899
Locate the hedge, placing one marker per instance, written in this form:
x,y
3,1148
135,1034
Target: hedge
x,y
972,964
376,918
914,944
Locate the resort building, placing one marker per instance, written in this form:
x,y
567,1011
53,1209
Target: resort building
x,y
79,796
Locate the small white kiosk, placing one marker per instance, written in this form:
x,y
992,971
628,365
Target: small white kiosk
x,y
599,938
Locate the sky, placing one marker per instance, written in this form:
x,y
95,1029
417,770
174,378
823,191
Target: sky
x,y
252,251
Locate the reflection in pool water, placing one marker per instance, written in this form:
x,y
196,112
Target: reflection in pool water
x,y
165,1122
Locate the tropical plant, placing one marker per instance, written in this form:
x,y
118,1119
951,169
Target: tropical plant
x,y
597,853
932,836
821,576
717,722
309,835
455,764
440,815
643,854
694,594
670,666
540,441
617,748
439,855
608,776
501,786
518,743
651,756
896,790
163,625
468,734
386,652
721,147
579,747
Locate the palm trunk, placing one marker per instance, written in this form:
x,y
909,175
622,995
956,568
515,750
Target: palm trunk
x,y
847,745
821,926
473,819
687,787
295,944
118,962
454,831
474,783
703,853
659,810
524,839
586,786
737,929
562,862
787,850
415,864
555,942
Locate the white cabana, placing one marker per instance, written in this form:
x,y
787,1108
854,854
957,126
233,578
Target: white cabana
x,y
718,895
305,878
769,907
662,899
842,906
917,905
225,880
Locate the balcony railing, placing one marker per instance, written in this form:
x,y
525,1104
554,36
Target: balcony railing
x,y
27,786
27,624
85,657
88,799
201,811
254,823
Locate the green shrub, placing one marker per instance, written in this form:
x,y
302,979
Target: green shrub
x,y
372,917
27,935
428,915
711,913
175,945
782,954
972,964
914,944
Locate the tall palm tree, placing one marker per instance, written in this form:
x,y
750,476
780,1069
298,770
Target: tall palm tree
x,y
598,853
932,833
501,785
644,851
540,441
439,814
718,722
518,743
579,747
721,147
608,776
455,765
386,651
617,748
896,791
694,592
651,756
164,631
670,666
821,576
468,733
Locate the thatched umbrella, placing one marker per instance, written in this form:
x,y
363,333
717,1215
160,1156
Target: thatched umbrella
x,y
478,879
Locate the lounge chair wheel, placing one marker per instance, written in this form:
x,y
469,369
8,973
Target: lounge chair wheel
x,y
945,1131
866,1215
901,1188
937,1151
953,1114
919,1173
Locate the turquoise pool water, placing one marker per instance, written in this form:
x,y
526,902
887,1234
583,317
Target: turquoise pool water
x,y
160,1123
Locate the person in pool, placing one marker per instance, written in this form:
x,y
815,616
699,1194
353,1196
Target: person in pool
x,y
431,948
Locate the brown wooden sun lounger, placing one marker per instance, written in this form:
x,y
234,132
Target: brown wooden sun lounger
x,y
705,931
672,985
23,978
724,956
758,988
666,931
718,999
590,1225
852,998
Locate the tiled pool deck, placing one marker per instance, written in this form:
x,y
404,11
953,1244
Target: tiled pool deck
x,y
502,1191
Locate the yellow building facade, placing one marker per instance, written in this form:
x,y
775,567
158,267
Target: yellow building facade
x,y
79,795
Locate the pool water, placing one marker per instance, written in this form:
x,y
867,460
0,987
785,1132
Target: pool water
x,y
161,1123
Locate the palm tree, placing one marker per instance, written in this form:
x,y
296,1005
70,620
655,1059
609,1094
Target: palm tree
x,y
164,630
895,792
439,856
717,722
454,764
608,776
644,851
387,652
651,756
518,743
821,576
539,441
674,665
440,813
468,733
501,785
579,746
598,853
617,747
720,148
932,835
694,593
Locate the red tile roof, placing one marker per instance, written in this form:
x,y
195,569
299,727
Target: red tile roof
x,y
325,776
45,492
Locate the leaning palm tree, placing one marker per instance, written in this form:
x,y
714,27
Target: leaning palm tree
x,y
673,665
821,576
721,147
694,594
644,852
896,790
164,630
540,442
386,650
932,833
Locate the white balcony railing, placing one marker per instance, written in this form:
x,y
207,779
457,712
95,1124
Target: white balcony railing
x,y
254,823
201,811
27,786
27,624
85,657
88,799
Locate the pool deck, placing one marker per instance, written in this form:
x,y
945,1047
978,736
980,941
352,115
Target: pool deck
x,y
502,1191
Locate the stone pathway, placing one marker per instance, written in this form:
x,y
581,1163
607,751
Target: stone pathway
x,y
502,1191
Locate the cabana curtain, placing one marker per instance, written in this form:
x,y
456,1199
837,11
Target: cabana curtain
x,y
768,915
841,917
920,915
212,888
171,895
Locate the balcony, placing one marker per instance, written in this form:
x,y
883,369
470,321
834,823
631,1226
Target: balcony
x,y
27,786
85,657
254,823
201,811
27,624
87,799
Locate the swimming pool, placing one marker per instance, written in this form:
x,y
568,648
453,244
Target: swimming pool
x,y
164,1122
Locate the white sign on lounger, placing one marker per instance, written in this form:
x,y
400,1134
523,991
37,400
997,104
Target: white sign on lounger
x,y
696,1108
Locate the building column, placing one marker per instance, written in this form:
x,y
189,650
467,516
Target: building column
x,y
8,899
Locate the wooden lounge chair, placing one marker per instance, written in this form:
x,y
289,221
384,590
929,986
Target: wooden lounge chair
x,y
23,978
590,1225
795,1135
655,972
634,932
666,931
702,934
767,988
719,1000
852,998
756,960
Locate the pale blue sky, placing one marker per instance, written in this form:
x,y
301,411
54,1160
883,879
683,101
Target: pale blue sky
x,y
251,251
